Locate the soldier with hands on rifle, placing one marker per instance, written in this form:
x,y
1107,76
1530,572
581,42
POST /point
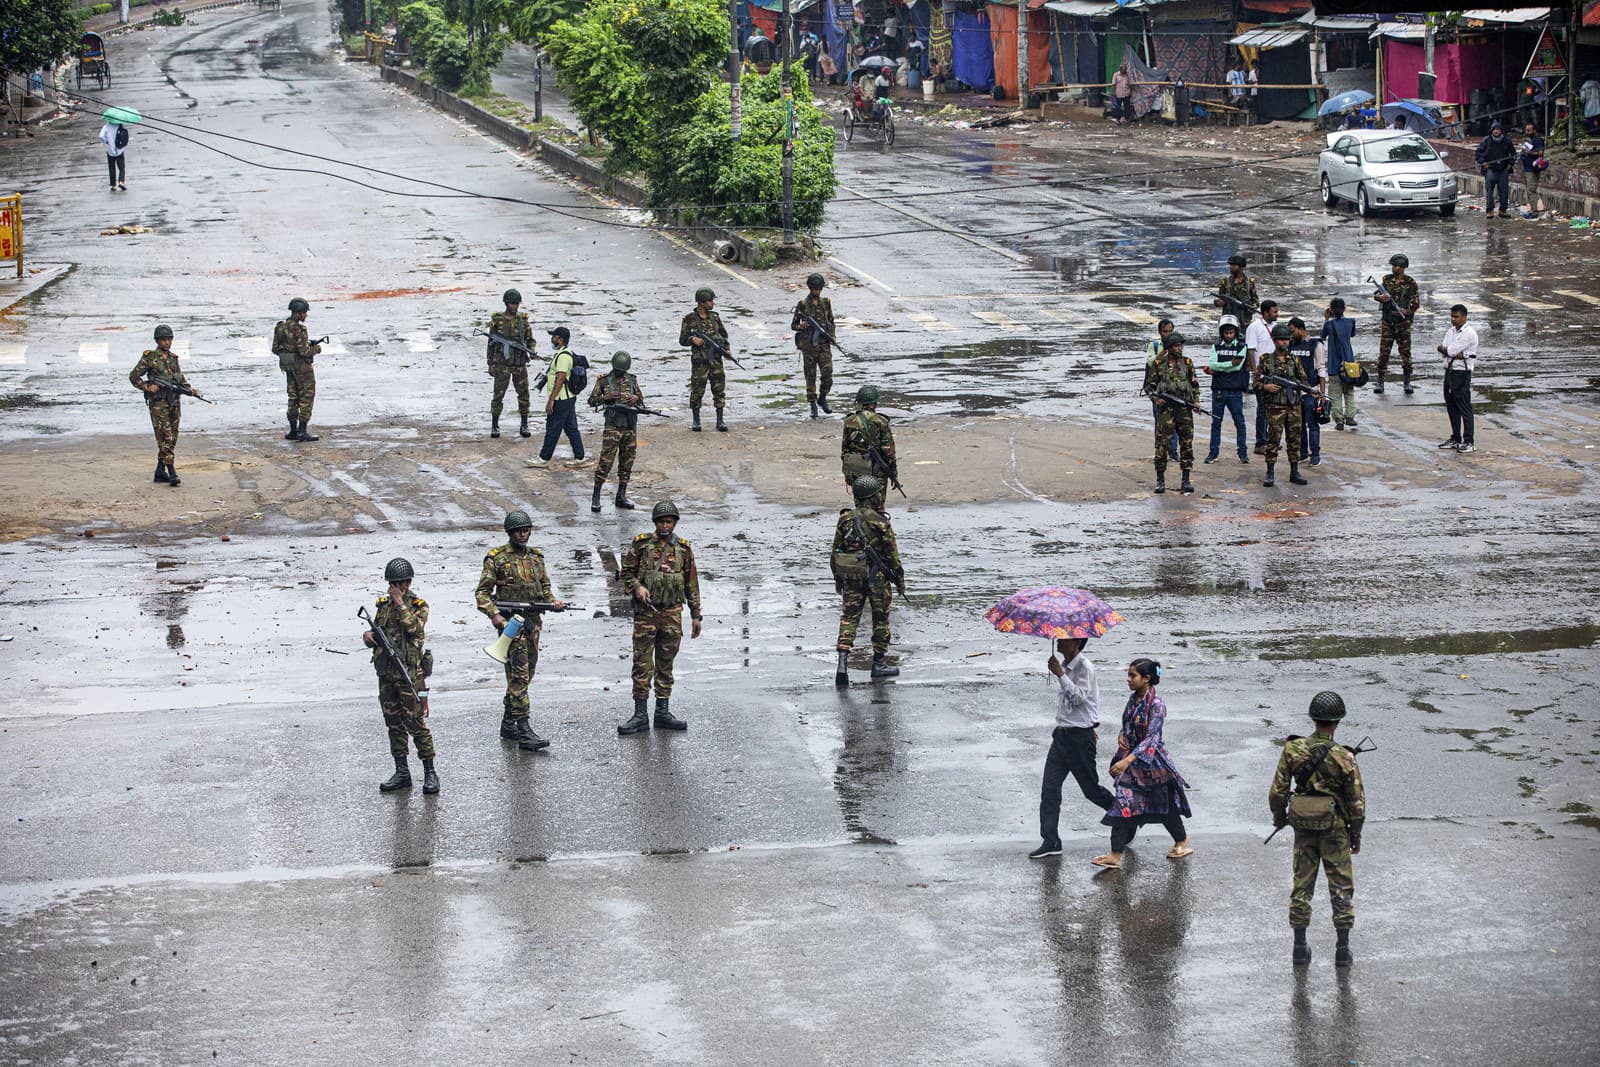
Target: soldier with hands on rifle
x,y
1280,384
515,572
865,562
659,572
159,377
395,634
1236,293
866,448
619,394
1174,388
1398,298
296,352
703,334
511,345
812,323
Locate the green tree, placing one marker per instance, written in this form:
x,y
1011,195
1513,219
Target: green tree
x,y
36,34
449,59
531,19
421,24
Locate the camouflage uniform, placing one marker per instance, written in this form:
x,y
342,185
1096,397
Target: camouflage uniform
x,y
508,365
1282,407
1174,374
1244,291
861,428
620,443
1403,295
292,345
1338,777
510,574
850,575
706,364
667,571
164,411
403,624
816,351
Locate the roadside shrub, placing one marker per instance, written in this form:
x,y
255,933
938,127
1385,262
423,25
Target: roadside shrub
x,y
449,59
421,24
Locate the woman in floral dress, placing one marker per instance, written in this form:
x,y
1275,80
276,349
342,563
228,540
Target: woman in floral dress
x,y
1148,788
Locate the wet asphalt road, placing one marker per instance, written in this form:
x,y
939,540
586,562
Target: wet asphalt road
x,y
194,851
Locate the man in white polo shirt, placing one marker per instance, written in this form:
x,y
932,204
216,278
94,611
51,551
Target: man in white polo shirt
x,y
1460,351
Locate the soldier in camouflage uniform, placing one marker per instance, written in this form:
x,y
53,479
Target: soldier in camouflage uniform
x,y
859,581
1174,374
1240,291
659,572
621,439
292,345
816,350
509,365
162,362
1282,404
403,618
864,430
1325,773
1399,301
704,360
515,571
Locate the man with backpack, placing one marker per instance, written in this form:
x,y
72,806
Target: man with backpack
x,y
865,562
562,381
114,135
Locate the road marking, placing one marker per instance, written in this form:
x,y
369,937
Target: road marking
x,y
1585,297
419,341
1143,318
693,251
859,273
929,221
757,327
1531,305
932,323
1059,314
94,352
1002,320
13,355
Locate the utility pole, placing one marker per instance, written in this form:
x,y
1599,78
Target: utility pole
x,y
787,92
1022,53
1425,81
734,64
1572,75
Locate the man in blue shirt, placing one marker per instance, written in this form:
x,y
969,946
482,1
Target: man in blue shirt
x,y
1229,378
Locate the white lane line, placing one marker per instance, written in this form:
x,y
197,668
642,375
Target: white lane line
x,y
693,251
13,355
419,341
1059,314
1587,298
1002,320
859,273
94,352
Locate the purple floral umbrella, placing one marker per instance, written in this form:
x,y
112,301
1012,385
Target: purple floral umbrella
x,y
1053,612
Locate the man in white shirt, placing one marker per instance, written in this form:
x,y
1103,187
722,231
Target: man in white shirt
x,y
1460,351
1257,343
1072,745
116,162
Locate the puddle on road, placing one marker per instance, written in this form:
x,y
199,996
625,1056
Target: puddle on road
x,y
1498,401
1463,644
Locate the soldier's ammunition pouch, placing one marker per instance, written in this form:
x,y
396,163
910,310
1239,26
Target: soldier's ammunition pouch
x,y
665,588
851,565
286,361
427,663
1311,811
856,465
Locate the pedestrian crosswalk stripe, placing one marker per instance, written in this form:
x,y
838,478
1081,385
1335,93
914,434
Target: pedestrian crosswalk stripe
x,y
932,323
13,355
1585,297
94,352
419,341
1143,318
1059,314
1001,319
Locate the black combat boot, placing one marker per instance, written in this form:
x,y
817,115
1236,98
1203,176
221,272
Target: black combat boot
x,y
841,673
1294,475
822,402
522,430
1187,486
696,413
401,779
665,720
172,475
1377,384
722,426
1407,384
1302,951
594,503
622,500
494,425
305,434
294,429
161,472
527,740
639,721
1161,481
1270,480
1341,950
508,728
813,409
430,780
880,669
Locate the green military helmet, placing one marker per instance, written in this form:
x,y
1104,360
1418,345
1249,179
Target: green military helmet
x,y
1236,260
1281,332
1327,706
666,509
511,296
866,396
299,304
866,487
815,281
620,362
518,520
1172,340
163,332
702,295
1400,260
398,570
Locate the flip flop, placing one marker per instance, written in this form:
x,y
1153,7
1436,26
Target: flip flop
x,y
1177,853
1106,862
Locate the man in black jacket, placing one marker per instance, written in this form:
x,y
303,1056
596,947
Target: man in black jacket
x,y
1495,156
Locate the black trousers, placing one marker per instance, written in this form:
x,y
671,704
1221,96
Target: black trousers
x,y
118,166
1071,752
1458,402
563,418
1124,830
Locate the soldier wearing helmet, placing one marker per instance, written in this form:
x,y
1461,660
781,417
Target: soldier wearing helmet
x,y
1317,790
295,351
659,573
1237,291
1173,386
867,447
866,567
515,571
511,345
703,334
1281,403
812,323
403,693
162,400
1399,300
616,392
1229,372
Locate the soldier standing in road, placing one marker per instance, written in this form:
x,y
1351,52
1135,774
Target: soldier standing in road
x,y
1174,375
1400,302
403,618
1236,294
1281,403
622,427
659,572
812,324
162,362
292,345
515,571
508,365
704,359
867,447
1327,809
863,533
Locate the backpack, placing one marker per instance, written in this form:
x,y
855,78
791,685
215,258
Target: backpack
x,y
122,137
578,380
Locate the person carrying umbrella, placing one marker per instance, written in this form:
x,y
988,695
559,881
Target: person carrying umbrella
x,y
1148,787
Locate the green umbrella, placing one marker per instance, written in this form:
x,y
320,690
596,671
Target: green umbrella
x,y
125,116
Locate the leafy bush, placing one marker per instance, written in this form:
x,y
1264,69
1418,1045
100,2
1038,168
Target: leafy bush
x,y
449,59
533,18
420,25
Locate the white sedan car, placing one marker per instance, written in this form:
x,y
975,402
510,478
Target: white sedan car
x,y
1381,170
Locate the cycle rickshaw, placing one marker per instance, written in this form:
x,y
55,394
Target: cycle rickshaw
x,y
92,61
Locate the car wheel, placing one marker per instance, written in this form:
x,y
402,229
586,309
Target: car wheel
x,y
1328,199
1363,207
1447,210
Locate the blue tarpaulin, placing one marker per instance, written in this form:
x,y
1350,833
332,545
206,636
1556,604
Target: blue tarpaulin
x,y
972,53
837,17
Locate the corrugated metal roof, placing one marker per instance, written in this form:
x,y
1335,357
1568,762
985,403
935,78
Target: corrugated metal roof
x,y
1513,15
1338,23
1086,8
1268,37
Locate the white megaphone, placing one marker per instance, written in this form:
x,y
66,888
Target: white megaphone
x,y
501,650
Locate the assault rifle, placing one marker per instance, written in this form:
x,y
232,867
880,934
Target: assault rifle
x,y
877,563
394,656
1173,398
527,607
321,340
818,331
636,409
1366,744
718,349
174,387
506,342
882,468
1392,314
1235,304
1321,406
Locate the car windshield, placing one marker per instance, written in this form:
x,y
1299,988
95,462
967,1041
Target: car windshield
x,y
1405,149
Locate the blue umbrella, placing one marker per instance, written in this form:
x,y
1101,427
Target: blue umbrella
x,y
1345,101
1409,108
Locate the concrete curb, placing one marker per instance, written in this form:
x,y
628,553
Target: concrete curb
x,y
1561,203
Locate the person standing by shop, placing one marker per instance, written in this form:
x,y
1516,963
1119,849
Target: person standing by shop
x,y
1147,786
1122,95
1460,351
1533,164
1495,154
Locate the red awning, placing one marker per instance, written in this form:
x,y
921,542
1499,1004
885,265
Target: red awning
x,y
1591,15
